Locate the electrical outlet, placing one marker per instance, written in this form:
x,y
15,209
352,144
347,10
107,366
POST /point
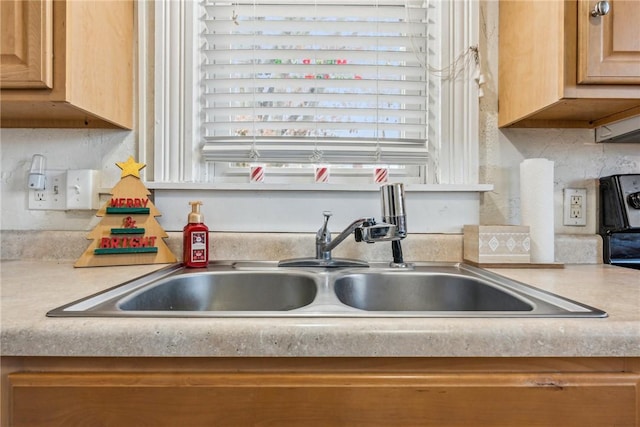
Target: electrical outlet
x,y
53,197
575,206
575,212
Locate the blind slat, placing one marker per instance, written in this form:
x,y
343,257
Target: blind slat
x,y
350,50
300,10
279,113
220,100
224,129
316,84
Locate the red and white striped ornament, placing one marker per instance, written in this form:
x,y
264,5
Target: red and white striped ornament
x,y
380,174
257,174
322,174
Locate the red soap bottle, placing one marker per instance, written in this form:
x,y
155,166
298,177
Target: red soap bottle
x,y
196,239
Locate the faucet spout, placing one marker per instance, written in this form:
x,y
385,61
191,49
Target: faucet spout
x,y
324,243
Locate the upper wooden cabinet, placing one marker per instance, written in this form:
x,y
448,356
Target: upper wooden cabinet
x,y
609,45
559,66
27,42
67,63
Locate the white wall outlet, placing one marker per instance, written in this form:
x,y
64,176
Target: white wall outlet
x,y
82,189
575,206
53,196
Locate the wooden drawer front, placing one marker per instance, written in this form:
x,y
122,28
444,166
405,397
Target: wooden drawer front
x,y
323,399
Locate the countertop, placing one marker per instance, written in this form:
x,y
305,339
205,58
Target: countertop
x,y
29,289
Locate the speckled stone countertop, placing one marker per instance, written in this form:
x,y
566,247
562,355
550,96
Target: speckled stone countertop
x,y
30,289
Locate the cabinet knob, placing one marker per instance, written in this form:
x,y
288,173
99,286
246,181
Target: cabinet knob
x,y
600,9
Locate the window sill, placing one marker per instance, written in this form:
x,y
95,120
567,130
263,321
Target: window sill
x,y
316,187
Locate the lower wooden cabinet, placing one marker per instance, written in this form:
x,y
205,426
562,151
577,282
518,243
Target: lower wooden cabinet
x,y
322,392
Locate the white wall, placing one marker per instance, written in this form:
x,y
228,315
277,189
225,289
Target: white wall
x,y
578,161
63,149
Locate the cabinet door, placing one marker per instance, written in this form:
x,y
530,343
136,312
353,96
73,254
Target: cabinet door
x,y
609,45
26,47
323,399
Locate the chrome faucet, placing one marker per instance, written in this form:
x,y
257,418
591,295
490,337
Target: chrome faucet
x,y
364,229
393,229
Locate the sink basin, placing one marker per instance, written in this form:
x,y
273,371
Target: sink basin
x,y
224,291
263,289
424,292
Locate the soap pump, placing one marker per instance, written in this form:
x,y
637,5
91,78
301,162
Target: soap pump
x,y
196,239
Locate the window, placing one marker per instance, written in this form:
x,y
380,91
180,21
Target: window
x,y
345,83
294,83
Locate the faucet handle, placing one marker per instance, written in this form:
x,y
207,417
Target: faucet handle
x,y
324,235
327,215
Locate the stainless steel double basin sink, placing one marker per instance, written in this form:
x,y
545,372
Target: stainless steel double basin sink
x,y
262,289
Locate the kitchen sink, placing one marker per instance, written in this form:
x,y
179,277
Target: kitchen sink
x,y
263,289
425,292
224,291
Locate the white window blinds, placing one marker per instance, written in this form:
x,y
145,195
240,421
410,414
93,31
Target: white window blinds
x,y
291,81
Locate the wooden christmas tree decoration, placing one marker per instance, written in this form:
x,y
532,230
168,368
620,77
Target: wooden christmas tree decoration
x,y
129,233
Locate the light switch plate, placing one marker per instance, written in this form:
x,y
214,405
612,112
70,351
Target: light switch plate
x,y
82,191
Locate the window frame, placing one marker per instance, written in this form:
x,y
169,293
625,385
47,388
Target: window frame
x,y
173,150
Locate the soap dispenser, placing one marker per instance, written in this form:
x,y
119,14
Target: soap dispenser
x,y
196,239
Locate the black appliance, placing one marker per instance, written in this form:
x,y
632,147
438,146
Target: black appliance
x,y
619,223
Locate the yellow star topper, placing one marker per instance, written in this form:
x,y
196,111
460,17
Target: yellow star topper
x,y
130,167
